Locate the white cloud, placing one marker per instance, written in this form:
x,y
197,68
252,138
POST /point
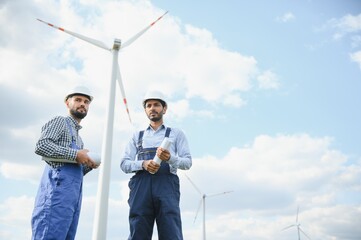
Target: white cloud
x,y
355,41
212,73
15,214
234,100
179,109
348,24
291,170
268,80
356,57
287,17
287,162
17,171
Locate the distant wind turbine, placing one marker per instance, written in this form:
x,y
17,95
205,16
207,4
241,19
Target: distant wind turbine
x,y
298,225
203,202
101,210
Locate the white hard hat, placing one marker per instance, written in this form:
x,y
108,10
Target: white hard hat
x,y
79,90
154,95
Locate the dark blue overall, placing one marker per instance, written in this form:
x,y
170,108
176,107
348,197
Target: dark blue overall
x,y
58,202
154,197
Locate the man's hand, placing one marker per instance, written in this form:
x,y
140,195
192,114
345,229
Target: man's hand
x,y
163,154
150,166
83,158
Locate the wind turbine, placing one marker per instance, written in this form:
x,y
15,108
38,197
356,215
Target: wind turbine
x,y
298,225
203,202
101,210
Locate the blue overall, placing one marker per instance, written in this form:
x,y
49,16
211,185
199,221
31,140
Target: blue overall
x,y
58,202
154,197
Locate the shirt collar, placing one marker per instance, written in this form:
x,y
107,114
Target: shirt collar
x,y
76,124
160,128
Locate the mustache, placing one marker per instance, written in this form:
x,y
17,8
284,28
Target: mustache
x,y
81,108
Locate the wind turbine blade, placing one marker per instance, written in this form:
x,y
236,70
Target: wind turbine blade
x,y
288,227
136,36
216,194
304,233
84,38
194,185
199,206
121,86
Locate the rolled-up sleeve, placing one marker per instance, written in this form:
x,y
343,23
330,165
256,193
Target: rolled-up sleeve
x,y
52,142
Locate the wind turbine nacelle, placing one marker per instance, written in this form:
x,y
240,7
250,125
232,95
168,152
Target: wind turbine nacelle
x,y
117,43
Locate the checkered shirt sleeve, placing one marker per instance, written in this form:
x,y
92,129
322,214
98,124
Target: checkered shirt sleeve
x,y
55,141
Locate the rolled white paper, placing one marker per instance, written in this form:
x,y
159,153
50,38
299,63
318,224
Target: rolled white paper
x,y
95,157
165,144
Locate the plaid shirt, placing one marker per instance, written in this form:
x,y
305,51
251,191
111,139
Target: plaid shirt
x,y
55,141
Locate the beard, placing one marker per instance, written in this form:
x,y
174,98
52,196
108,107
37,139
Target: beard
x,y
155,118
76,114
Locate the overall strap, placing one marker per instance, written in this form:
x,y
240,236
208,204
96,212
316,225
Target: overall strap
x,y
73,141
141,133
167,132
140,141
140,138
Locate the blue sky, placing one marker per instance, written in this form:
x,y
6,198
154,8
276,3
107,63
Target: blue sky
x,y
266,92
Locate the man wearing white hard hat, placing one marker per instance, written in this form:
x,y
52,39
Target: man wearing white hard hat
x,y
58,202
154,188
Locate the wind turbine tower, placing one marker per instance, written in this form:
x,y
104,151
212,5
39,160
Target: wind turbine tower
x,y
298,226
203,203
